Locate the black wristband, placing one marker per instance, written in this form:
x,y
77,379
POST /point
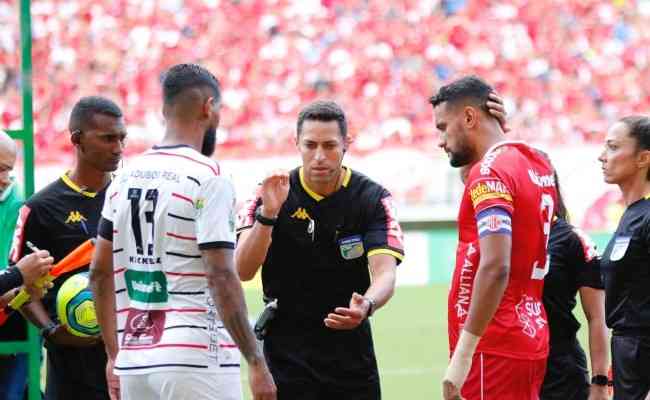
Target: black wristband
x,y
47,330
264,220
600,380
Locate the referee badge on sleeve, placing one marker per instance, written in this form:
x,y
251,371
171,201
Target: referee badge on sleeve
x,y
620,247
351,247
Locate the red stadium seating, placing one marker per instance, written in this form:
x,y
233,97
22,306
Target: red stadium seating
x,y
566,68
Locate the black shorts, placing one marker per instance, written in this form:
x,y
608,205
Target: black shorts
x,y
567,376
319,365
76,373
631,366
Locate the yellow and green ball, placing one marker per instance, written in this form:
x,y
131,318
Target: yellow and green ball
x,y
75,307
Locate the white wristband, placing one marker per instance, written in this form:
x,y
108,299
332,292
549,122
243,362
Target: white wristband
x,y
461,360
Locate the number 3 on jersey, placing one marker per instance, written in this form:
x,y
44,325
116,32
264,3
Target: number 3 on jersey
x,y
547,218
134,195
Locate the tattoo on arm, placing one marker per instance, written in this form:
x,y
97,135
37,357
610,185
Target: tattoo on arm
x,y
228,296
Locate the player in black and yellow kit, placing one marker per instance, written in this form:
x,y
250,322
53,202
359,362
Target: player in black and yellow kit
x,y
626,261
316,231
574,268
59,218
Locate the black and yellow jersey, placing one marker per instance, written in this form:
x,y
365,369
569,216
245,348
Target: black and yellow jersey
x,y
626,270
320,245
58,218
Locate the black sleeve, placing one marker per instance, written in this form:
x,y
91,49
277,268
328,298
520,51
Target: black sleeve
x,y
384,234
9,279
586,261
105,229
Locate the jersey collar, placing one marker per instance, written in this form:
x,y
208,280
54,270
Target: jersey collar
x,y
316,196
504,143
66,179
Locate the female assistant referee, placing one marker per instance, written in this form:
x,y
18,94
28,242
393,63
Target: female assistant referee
x,y
626,261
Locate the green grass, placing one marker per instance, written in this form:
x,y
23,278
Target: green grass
x,y
410,336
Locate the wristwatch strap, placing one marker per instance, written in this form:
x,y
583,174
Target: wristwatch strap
x,y
600,380
264,220
372,304
47,330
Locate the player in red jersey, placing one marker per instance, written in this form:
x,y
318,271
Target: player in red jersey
x,y
498,332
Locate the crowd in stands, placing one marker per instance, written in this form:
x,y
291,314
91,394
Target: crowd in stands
x,y
566,68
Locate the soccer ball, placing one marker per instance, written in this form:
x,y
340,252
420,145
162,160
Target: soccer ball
x,y
75,307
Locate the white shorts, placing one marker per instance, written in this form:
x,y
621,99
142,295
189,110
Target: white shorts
x,y
180,385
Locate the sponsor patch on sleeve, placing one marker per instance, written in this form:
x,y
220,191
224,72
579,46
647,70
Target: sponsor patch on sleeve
x,y
492,189
494,220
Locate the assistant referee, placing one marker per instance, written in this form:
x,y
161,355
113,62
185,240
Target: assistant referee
x,y
626,260
317,231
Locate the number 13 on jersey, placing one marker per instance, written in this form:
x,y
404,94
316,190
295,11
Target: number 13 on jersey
x,y
134,195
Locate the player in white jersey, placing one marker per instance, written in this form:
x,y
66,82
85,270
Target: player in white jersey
x,y
163,274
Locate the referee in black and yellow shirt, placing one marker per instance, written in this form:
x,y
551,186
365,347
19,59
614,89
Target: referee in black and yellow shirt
x,y
328,243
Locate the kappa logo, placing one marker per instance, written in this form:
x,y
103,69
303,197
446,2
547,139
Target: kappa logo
x,y
75,217
300,213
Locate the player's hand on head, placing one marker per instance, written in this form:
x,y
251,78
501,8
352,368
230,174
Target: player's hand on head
x,y
497,109
34,265
261,382
450,391
61,336
274,192
349,318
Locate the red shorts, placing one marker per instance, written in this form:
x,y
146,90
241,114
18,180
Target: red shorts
x,y
500,378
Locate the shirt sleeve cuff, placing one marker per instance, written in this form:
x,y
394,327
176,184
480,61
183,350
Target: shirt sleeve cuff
x,y
105,229
216,245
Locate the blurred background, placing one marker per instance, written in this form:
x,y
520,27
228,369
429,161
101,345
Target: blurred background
x,y
566,70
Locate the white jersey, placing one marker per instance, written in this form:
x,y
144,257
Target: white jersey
x,y
166,206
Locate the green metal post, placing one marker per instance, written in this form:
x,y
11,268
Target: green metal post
x,y
33,345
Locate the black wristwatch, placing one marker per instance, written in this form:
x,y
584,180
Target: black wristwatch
x,y
47,330
600,380
371,306
264,220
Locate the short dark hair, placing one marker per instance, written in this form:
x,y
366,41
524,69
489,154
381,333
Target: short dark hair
x,y
181,77
81,116
325,111
470,88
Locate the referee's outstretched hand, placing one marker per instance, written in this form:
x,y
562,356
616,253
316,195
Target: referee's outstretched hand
x,y
274,192
348,318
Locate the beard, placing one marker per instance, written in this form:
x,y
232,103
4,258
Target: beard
x,y
209,141
461,157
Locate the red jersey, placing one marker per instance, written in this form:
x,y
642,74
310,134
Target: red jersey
x,y
511,191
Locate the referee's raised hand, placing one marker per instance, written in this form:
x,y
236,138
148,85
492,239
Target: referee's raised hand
x,y
274,192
